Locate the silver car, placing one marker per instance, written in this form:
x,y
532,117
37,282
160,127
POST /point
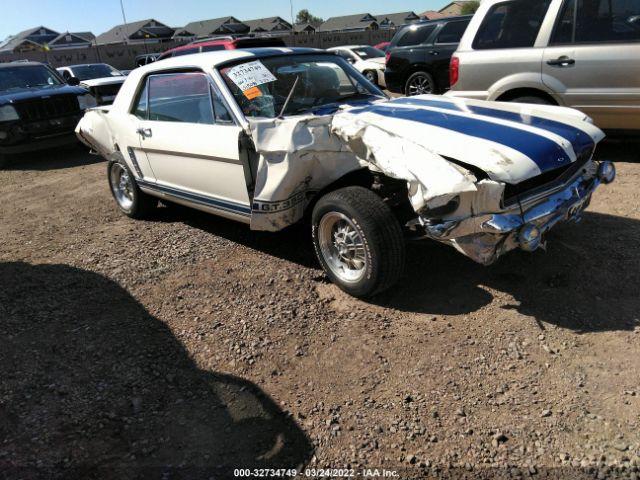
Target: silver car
x,y
582,54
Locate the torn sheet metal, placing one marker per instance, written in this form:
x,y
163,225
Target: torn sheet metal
x,y
511,143
297,157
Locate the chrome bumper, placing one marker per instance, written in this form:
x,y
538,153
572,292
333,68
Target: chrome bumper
x,y
484,238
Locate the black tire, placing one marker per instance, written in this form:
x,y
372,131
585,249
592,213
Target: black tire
x,y
419,83
3,161
139,205
536,100
383,244
372,76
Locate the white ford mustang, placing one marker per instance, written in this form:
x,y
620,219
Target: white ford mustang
x,y
267,136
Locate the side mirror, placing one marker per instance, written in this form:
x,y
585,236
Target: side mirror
x,y
73,81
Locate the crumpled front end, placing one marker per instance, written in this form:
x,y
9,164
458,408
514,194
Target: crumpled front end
x,y
484,238
485,178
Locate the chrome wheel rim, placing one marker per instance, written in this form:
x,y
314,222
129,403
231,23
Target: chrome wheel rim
x,y
122,186
342,247
420,85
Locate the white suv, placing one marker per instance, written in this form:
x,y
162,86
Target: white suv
x,y
583,54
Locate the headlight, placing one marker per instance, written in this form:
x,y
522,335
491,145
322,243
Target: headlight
x,y
87,101
8,113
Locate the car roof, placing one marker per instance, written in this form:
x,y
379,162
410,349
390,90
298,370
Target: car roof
x,y
84,65
207,60
20,63
348,46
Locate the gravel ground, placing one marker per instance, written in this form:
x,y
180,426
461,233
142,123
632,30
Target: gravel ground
x,y
188,345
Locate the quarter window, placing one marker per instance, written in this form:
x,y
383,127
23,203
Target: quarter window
x,y
415,35
595,21
513,24
452,32
180,97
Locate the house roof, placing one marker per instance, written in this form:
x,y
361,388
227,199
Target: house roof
x,y
75,38
301,27
15,40
267,24
458,3
206,28
86,35
399,18
432,15
359,21
120,33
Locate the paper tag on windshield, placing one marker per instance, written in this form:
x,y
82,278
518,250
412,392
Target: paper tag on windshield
x,y
252,93
249,75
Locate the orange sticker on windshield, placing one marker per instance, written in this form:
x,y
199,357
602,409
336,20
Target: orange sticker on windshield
x,y
252,93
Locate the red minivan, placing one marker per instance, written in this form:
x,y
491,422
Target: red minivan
x,y
222,43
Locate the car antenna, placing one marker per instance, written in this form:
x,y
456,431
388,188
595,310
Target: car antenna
x,y
286,102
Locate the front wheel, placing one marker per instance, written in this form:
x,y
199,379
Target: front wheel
x,y
358,241
371,76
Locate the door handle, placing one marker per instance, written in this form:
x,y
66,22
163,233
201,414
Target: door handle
x,y
144,132
434,52
563,61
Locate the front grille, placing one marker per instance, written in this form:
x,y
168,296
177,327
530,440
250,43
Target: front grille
x,y
47,108
546,180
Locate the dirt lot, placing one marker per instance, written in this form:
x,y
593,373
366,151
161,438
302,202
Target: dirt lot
x,y
185,346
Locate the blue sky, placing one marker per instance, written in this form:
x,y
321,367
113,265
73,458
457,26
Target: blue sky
x,y
100,15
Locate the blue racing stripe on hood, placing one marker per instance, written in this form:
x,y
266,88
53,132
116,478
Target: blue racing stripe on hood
x,y
580,140
546,153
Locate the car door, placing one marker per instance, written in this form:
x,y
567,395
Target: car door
x,y
593,60
446,41
192,143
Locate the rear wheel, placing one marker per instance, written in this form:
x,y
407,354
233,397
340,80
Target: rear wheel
x,y
132,201
531,99
358,241
419,83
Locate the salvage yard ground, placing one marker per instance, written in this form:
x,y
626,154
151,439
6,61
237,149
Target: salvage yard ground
x,y
189,341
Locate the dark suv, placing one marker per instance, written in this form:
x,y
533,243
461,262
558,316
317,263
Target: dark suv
x,y
38,109
419,54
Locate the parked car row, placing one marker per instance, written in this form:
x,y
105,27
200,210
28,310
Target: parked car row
x,y
584,55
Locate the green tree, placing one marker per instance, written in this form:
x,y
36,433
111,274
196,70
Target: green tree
x,y
469,7
304,16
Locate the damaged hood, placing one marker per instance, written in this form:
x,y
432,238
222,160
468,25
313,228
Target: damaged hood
x,y
510,142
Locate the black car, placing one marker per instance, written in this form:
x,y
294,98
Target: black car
x,y
38,110
419,55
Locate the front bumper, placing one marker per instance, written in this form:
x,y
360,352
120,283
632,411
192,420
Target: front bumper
x,y
484,238
22,137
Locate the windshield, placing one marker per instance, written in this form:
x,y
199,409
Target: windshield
x,y
26,76
98,70
261,87
366,53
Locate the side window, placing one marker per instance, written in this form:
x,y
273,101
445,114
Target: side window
x,y
141,109
595,21
513,24
212,48
180,97
188,51
415,35
220,110
346,55
452,32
